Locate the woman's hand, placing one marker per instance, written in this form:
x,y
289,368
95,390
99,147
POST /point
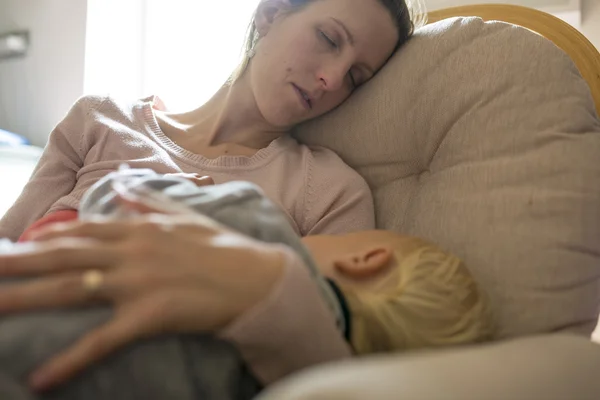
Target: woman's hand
x,y
162,274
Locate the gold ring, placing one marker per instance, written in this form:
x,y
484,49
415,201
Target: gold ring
x,y
93,280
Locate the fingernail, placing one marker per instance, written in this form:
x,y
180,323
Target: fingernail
x,y
39,380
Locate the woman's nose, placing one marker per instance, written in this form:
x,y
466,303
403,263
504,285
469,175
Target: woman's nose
x,y
333,76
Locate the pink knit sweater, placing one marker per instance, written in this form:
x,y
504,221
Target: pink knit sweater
x,y
319,193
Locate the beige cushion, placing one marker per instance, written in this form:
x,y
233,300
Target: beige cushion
x,y
545,367
483,138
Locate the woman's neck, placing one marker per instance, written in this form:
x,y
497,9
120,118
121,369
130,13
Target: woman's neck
x,y
230,116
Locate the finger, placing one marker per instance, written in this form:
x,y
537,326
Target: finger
x,y
195,178
65,290
98,229
184,175
203,181
59,255
88,350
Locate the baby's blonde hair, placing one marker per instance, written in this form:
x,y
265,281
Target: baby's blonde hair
x,y
436,302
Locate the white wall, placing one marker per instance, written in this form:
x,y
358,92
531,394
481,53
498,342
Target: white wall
x,y
104,76
591,21
37,91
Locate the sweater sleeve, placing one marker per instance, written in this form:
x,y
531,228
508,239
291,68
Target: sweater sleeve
x,y
338,200
290,330
56,172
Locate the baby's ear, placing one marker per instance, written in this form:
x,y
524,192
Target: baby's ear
x,y
365,264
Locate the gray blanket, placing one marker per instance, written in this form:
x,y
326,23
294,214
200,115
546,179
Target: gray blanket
x,y
178,367
182,368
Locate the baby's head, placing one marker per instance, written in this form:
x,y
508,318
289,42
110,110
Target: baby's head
x,y
402,292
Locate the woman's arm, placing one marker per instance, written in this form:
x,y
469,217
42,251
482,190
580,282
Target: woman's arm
x,y
55,174
290,329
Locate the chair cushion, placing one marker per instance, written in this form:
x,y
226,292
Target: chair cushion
x,y
483,137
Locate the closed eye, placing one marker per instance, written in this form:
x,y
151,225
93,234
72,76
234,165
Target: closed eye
x,y
352,80
329,41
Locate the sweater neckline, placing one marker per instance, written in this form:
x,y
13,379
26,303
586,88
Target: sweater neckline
x,y
261,157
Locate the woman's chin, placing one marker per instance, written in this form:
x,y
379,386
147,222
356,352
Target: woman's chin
x,y
283,119
284,115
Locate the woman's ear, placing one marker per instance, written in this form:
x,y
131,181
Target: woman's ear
x,y
266,13
365,264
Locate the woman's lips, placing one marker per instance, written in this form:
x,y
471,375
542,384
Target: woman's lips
x,y
304,99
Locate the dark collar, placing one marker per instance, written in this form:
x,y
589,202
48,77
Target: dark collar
x,y
345,310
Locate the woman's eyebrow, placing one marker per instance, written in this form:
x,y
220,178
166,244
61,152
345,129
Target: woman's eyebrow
x,y
345,29
369,69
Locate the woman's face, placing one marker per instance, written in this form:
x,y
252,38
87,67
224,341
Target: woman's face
x,y
308,62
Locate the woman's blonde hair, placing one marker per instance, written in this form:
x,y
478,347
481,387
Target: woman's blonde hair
x,y
407,14
435,302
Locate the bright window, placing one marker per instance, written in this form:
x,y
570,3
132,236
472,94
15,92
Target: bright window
x,y
180,50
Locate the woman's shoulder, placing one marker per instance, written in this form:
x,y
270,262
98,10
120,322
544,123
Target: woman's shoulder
x,y
318,157
109,120
326,165
113,107
338,199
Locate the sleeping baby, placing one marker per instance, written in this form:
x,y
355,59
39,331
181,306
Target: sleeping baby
x,y
388,292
